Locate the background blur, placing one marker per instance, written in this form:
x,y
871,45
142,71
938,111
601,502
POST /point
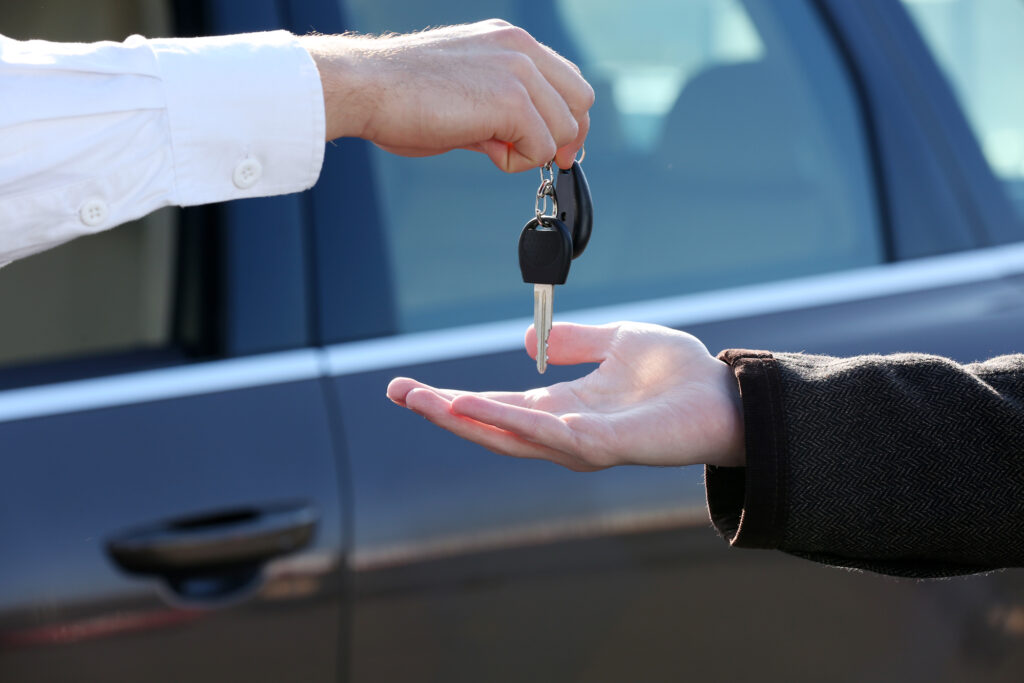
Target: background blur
x,y
814,175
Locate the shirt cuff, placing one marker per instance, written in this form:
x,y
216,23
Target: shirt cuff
x,y
746,503
246,115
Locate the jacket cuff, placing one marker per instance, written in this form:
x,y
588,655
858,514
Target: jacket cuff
x,y
746,503
246,115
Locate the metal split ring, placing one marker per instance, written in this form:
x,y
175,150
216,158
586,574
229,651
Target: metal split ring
x,y
546,190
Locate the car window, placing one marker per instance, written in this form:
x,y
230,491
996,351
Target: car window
x,y
979,48
103,293
726,148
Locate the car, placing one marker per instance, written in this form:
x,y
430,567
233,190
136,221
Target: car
x,y
204,480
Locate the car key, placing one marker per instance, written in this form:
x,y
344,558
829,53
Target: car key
x,y
575,205
545,254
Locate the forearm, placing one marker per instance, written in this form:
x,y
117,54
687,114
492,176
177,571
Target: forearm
x,y
95,135
907,464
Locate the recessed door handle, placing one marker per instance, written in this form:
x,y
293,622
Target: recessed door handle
x,y
229,538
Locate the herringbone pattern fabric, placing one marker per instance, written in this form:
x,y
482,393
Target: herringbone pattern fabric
x,y
906,464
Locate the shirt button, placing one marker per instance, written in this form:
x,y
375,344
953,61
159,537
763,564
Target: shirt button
x,y
247,173
94,212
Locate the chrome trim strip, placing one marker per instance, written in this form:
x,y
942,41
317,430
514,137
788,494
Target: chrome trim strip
x,y
614,523
688,309
156,385
475,340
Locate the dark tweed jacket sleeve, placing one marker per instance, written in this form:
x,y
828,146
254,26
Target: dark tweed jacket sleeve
x,y
909,464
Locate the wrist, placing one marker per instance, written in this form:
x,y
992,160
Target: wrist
x,y
347,96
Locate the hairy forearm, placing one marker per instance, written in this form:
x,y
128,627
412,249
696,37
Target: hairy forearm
x,y
348,99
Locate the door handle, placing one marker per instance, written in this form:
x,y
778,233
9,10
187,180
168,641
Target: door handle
x,y
215,541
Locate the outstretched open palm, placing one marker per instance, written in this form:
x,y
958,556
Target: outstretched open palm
x,y
657,398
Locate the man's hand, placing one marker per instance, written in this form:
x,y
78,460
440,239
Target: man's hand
x,y
488,87
657,398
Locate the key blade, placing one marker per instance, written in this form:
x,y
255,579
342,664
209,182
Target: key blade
x,y
542,312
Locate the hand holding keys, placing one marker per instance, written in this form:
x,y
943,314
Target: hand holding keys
x,y
549,243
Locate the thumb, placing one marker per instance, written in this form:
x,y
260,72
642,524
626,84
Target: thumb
x,y
570,343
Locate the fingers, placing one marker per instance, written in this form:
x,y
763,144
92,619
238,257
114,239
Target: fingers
x,y
566,155
566,78
439,411
535,426
565,125
436,406
552,105
400,387
558,92
577,95
570,343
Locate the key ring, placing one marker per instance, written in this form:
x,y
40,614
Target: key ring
x,y
546,189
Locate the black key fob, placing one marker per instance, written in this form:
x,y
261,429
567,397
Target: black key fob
x,y
545,251
575,206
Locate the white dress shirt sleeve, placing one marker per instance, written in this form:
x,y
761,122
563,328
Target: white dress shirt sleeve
x,y
93,135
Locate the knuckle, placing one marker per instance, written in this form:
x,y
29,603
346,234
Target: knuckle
x,y
580,99
568,133
572,65
520,104
517,63
516,36
587,97
500,23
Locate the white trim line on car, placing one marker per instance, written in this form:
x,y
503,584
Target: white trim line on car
x,y
689,309
475,340
156,385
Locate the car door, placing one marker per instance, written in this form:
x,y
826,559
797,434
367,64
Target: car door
x,y
763,178
170,508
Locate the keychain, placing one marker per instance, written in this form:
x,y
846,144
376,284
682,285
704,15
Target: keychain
x,y
550,241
